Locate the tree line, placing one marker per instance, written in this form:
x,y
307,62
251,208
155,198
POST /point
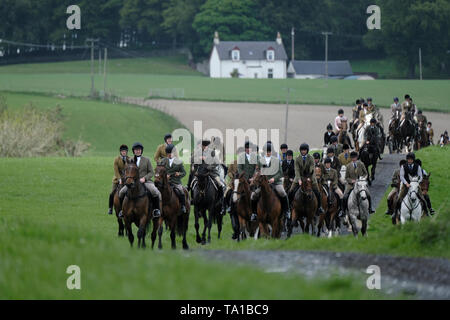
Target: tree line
x,y
406,26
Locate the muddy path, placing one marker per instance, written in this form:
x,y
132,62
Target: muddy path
x,y
417,278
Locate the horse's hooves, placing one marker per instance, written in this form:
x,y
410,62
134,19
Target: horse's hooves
x,y
203,242
199,240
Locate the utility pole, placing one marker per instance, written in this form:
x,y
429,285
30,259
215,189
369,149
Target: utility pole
x,y
292,34
420,62
326,34
99,61
105,58
287,115
92,41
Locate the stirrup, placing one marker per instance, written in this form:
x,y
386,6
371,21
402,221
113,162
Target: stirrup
x,y
120,214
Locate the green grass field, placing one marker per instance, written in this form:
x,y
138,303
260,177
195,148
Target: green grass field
x,y
132,80
175,65
53,214
387,69
104,125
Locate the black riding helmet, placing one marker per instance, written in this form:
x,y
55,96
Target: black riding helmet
x,y
358,101
316,155
267,147
373,120
329,127
330,150
340,111
169,148
411,155
354,154
137,145
304,146
284,146
333,139
167,136
327,160
290,153
123,147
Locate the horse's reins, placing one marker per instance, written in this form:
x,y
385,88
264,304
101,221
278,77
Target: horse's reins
x,y
411,209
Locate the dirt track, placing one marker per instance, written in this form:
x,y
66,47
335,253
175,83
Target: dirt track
x,y
306,123
420,278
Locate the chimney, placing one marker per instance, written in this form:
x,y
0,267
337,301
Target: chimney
x,y
216,37
279,38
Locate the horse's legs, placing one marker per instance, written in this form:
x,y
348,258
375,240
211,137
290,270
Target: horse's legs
x,y
172,238
197,225
121,227
352,219
363,227
209,223
130,232
160,232
205,225
219,224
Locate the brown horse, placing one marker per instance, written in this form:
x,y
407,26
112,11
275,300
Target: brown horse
x,y
242,204
330,206
135,205
422,136
304,206
171,210
117,208
343,136
268,208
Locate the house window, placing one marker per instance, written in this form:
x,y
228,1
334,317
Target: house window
x,y
270,74
270,55
235,55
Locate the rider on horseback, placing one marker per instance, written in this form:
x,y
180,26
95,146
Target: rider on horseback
x,y
210,158
355,170
407,107
271,168
338,121
146,174
410,169
426,195
355,113
119,167
372,136
332,175
328,135
304,167
175,172
395,184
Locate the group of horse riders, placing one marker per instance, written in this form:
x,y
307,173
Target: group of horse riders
x,y
276,167
408,110
401,179
166,155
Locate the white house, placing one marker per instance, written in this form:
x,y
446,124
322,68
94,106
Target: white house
x,y
248,59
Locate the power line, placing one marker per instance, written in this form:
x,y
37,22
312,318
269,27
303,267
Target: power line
x,y
33,45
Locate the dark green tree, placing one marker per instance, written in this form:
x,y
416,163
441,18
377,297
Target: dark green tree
x,y
406,26
233,19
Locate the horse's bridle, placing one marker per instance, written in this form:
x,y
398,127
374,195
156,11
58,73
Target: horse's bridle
x,y
406,204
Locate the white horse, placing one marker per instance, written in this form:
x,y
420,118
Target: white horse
x,y
358,206
342,178
411,208
362,130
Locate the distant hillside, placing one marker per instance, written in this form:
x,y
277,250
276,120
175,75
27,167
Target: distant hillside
x,y
169,65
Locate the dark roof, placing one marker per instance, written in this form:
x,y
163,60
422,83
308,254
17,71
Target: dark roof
x,y
335,68
250,50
